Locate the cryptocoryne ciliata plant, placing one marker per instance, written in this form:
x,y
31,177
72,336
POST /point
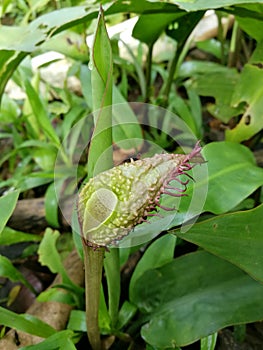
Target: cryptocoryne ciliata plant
x,y
110,205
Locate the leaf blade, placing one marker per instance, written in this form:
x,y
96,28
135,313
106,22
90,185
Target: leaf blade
x,y
26,323
251,121
178,294
228,161
159,253
8,202
100,153
236,237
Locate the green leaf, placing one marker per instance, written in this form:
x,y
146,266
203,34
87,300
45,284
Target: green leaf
x,y
141,6
233,175
41,114
257,55
145,232
104,318
209,342
149,347
180,107
212,46
100,152
49,256
43,154
236,237
69,43
195,296
34,180
59,341
137,63
251,121
9,110
183,26
101,67
252,26
9,60
59,20
219,84
145,31
10,236
85,79
54,294
49,24
195,5
5,4
77,321
44,158
194,68
8,202
196,110
9,271
26,323
28,39
76,233
51,205
159,253
72,117
82,127
126,313
37,144
126,131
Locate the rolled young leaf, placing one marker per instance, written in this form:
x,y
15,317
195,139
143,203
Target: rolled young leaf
x,y
100,150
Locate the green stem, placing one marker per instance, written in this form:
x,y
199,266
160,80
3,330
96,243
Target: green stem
x,y
149,72
177,60
220,36
233,46
93,262
112,270
168,85
245,48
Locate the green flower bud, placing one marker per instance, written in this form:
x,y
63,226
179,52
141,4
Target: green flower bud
x,y
112,203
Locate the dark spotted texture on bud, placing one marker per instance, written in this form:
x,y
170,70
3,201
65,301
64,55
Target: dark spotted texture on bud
x,y
112,203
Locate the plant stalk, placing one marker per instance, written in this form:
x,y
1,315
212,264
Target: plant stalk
x,y
220,36
235,44
149,72
93,263
173,70
170,79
